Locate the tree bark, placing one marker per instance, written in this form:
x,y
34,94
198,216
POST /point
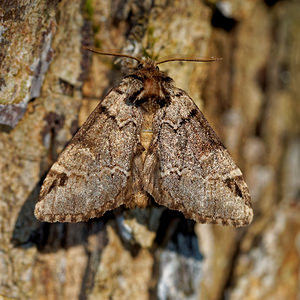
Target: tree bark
x,y
48,87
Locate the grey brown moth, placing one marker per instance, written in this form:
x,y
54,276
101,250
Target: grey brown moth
x,y
146,139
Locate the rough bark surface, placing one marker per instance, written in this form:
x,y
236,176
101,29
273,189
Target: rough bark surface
x,y
251,98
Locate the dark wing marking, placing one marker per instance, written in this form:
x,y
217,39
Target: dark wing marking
x,y
189,169
91,175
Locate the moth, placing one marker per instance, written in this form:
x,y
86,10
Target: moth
x,y
145,140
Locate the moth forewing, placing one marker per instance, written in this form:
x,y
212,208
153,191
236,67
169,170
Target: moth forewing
x,y
145,139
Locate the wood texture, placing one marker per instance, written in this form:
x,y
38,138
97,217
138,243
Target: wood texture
x,y
250,98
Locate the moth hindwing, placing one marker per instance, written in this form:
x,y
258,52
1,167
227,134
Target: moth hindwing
x,y
145,139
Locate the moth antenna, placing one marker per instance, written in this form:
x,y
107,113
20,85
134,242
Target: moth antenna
x,y
204,59
95,50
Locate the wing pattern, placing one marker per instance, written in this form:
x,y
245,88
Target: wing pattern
x,y
91,174
190,169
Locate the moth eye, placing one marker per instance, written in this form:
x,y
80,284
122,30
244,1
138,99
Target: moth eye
x,y
140,66
157,68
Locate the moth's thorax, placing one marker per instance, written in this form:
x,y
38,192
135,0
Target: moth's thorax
x,y
152,88
153,82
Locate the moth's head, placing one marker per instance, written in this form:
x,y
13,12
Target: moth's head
x,y
147,63
149,67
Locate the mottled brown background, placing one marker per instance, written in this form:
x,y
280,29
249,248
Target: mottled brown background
x,y
251,98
